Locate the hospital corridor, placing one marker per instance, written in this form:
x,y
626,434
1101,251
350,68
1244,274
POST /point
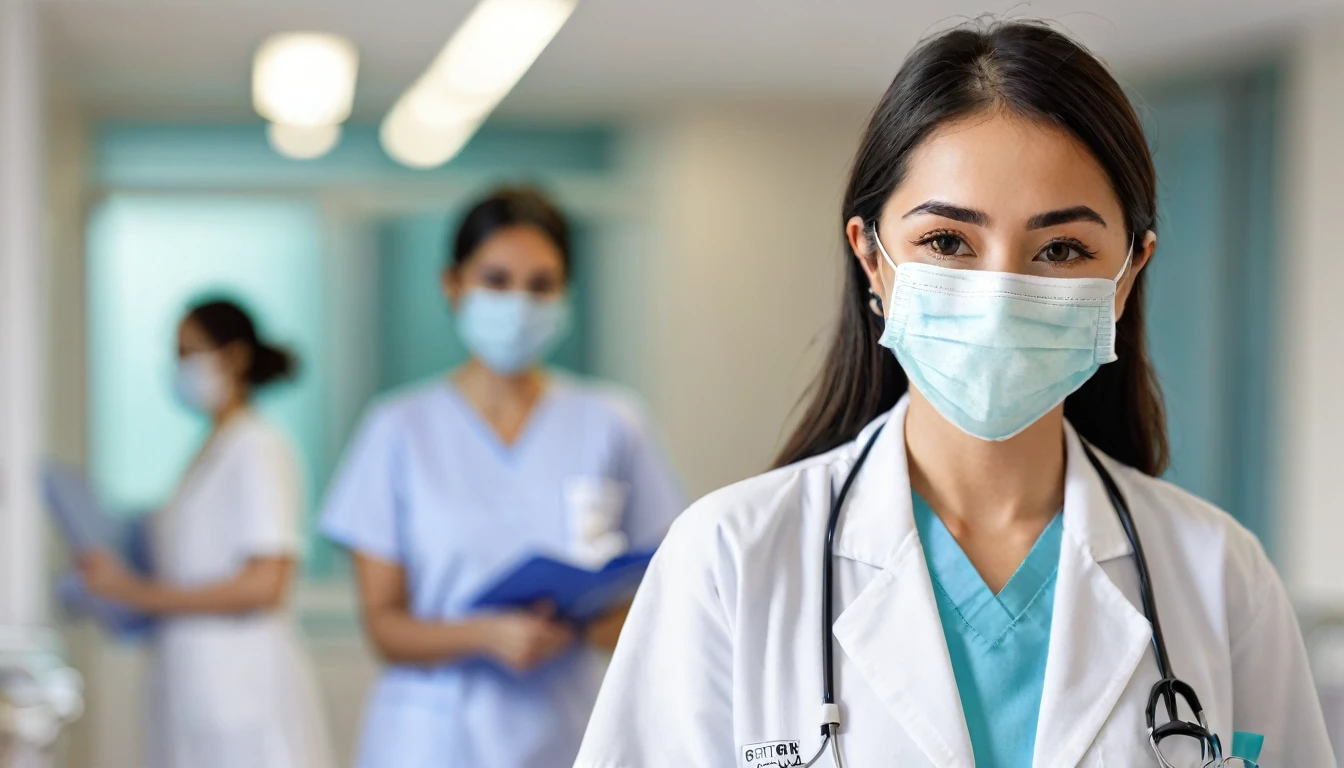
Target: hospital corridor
x,y
627,384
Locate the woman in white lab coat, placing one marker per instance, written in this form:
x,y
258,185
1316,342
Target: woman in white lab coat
x,y
987,605
231,686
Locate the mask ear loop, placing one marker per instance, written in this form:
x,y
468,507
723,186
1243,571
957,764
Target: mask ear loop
x,y
875,301
878,240
1129,257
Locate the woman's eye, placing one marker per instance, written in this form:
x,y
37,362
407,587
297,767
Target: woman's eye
x,y
945,245
496,281
1061,253
543,287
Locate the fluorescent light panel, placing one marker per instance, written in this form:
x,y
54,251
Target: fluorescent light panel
x,y
496,45
486,57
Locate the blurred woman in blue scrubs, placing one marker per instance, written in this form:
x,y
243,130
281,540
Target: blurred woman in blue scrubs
x,y
450,483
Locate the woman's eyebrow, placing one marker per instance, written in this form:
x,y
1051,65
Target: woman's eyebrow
x,y
950,211
981,219
1065,216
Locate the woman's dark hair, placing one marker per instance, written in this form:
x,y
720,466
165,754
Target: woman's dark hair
x,y
510,207
1031,70
225,322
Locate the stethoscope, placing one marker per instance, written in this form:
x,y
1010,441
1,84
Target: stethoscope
x,y
1166,690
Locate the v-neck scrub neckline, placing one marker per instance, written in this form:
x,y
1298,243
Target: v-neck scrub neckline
x,y
512,453
998,643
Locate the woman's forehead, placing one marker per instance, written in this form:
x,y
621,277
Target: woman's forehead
x,y
519,246
1008,166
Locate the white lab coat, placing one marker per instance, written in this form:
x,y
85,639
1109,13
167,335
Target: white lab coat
x,y
232,691
720,651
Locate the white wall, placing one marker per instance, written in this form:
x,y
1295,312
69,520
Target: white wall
x,y
1312,341
735,277
64,370
23,600
1311,355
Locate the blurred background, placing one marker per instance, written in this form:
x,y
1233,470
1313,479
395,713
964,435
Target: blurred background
x,y
700,147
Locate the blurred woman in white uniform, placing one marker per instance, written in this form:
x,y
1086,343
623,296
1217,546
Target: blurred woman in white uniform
x,y
986,608
231,686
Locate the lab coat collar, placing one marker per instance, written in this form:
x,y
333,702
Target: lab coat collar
x,y
1097,639
878,518
1097,636
1088,513
891,631
893,635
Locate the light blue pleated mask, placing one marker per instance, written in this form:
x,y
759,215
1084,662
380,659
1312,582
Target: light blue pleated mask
x,y
993,351
509,331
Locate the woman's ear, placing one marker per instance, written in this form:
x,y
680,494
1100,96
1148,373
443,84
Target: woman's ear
x,y
237,360
861,244
865,250
450,282
1143,252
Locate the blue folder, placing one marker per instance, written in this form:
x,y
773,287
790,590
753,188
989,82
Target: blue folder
x,y
85,524
578,594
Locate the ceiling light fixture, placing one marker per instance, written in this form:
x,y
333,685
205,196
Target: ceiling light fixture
x,y
305,79
485,58
301,142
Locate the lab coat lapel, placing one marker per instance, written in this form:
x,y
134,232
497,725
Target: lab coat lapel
x,y
891,632
1097,637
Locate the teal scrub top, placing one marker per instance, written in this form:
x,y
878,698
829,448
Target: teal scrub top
x,y
998,643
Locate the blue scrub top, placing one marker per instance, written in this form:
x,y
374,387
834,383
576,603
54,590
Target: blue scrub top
x,y
998,643
428,485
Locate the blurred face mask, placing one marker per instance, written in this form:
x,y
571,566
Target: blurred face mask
x,y
993,351
200,383
509,331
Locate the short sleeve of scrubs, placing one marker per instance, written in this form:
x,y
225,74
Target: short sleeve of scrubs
x,y
361,510
271,494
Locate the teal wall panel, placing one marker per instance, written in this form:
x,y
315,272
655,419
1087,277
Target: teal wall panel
x,y
148,258
209,156
1212,308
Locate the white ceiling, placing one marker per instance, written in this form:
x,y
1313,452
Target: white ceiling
x,y
191,58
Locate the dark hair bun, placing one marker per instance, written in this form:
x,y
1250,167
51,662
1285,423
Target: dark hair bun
x,y
271,364
226,322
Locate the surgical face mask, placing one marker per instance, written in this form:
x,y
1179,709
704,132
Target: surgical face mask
x,y
510,331
200,383
993,351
